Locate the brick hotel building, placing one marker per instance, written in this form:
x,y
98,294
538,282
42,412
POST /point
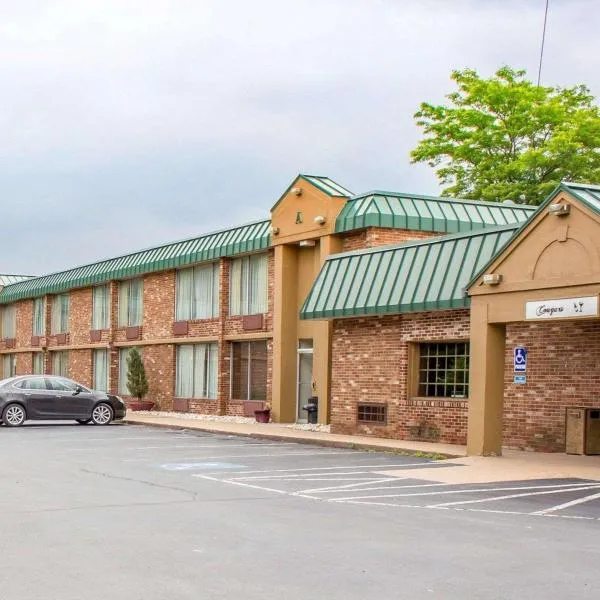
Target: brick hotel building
x,y
400,312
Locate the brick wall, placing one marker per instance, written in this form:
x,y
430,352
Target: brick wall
x,y
370,363
381,236
563,370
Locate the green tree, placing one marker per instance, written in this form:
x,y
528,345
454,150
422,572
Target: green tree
x,y
506,138
137,382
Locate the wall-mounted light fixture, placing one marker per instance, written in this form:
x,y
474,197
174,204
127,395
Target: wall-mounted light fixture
x,y
274,230
492,278
559,210
321,220
297,191
307,243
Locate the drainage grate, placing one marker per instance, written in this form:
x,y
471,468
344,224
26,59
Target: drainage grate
x,y
372,413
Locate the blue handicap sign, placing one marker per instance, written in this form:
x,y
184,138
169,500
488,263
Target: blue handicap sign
x,y
520,359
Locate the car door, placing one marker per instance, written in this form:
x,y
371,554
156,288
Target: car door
x,y
70,404
37,397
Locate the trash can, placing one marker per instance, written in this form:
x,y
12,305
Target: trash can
x,y
583,430
312,410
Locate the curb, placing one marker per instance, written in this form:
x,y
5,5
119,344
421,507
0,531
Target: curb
x,y
274,437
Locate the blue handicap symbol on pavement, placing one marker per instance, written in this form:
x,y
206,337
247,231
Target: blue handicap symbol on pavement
x,y
520,359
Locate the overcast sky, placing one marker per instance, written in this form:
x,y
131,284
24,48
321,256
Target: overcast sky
x,y
126,123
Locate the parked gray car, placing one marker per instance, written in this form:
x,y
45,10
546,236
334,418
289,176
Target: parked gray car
x,y
48,397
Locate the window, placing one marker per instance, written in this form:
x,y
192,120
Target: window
x,y
249,370
39,316
60,314
9,366
65,385
372,413
197,293
100,370
60,362
131,304
38,363
123,354
100,307
248,285
444,370
196,373
9,321
34,383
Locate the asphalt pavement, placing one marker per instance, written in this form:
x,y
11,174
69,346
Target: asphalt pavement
x,y
132,512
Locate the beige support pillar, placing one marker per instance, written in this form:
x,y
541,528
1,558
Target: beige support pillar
x,y
285,319
322,331
486,392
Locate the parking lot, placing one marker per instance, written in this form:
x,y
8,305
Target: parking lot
x,y
137,512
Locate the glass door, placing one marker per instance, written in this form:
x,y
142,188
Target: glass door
x,y
304,378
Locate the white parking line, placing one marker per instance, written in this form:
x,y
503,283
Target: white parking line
x,y
340,467
340,488
552,509
221,456
464,491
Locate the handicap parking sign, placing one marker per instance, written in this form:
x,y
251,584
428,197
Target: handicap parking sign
x,y
520,359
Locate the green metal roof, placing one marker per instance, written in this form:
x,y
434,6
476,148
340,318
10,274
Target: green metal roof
x,y
8,279
327,185
427,213
228,242
587,194
416,276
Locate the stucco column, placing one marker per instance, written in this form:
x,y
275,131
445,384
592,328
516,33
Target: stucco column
x,y
486,390
322,331
285,318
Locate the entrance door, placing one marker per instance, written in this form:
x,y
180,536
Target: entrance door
x,y
305,378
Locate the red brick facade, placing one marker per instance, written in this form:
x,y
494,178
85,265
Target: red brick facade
x,y
370,363
381,236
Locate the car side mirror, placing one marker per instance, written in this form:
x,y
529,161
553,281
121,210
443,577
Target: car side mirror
x,y
78,390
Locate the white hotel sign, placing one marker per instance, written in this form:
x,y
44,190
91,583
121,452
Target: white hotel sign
x,y
566,308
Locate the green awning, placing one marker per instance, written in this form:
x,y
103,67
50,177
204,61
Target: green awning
x,y
211,246
416,276
427,213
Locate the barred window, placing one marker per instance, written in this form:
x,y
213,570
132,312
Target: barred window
x,y
444,370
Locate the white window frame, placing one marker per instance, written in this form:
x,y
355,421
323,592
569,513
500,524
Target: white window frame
x,y
9,365
244,287
211,358
102,319
9,321
128,322
106,383
39,322
63,313
63,360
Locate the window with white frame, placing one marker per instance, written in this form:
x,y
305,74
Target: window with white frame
x,y
248,285
100,307
444,370
123,354
9,321
196,371
131,303
39,317
100,370
197,293
9,365
38,363
60,363
249,370
59,322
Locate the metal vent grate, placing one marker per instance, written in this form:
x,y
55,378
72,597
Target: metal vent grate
x,y
372,413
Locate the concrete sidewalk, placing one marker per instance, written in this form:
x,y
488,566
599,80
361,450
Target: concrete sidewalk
x,y
275,431
513,465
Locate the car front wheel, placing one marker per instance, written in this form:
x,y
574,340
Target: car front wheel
x,y
102,414
14,415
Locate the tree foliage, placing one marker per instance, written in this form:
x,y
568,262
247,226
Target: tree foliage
x,y
506,138
137,382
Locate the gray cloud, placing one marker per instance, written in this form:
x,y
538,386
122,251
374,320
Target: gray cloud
x,y
127,123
